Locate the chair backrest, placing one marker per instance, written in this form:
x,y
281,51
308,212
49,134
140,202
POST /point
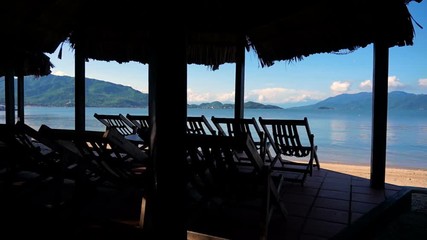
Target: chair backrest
x,y
117,121
199,125
142,124
110,155
214,166
141,121
63,137
43,153
291,137
235,126
217,175
218,148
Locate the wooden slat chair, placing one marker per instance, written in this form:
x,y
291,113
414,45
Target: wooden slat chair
x,y
220,181
38,163
142,122
108,159
199,125
117,121
234,126
44,153
293,144
123,126
84,173
119,161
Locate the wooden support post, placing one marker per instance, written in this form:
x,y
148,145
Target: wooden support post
x,y
165,206
239,105
80,90
379,115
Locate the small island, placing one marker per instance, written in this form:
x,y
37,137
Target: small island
x,y
219,105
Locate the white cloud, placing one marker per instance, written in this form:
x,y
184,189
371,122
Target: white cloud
x,y
366,85
394,83
282,95
209,97
197,97
226,97
339,87
59,73
422,82
267,96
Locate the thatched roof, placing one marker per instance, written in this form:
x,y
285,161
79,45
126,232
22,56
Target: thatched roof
x,y
215,29
26,34
284,30
26,63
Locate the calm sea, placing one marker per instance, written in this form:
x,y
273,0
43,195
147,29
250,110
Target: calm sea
x,y
342,137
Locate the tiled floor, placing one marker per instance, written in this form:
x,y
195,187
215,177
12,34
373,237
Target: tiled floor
x,y
327,203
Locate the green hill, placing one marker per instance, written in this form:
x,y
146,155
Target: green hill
x,y
363,101
219,105
58,91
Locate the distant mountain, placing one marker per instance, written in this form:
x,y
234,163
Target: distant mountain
x,y
363,101
58,91
219,105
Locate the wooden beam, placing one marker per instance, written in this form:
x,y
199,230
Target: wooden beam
x,y
379,115
80,90
239,100
9,88
20,98
165,205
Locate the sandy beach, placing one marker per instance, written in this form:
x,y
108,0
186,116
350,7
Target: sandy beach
x,y
396,176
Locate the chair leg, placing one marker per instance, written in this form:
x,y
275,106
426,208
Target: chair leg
x,y
316,159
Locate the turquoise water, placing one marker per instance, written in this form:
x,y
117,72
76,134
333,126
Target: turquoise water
x,y
342,137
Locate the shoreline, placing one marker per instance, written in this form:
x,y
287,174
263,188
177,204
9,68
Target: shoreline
x,y
394,175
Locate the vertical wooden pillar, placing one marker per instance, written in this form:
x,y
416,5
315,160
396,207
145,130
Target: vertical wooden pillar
x,y
80,90
9,89
168,114
21,103
379,115
239,101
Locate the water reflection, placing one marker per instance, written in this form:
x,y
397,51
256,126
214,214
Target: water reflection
x,y
338,133
343,137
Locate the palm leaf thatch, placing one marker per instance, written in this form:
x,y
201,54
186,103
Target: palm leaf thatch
x,y
215,30
27,63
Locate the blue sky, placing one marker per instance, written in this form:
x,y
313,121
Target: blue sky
x,y
313,79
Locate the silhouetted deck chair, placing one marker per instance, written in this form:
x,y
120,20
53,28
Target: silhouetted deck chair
x,y
108,160
118,160
106,155
83,172
293,145
219,181
235,126
44,153
142,122
199,125
117,121
123,126
38,164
